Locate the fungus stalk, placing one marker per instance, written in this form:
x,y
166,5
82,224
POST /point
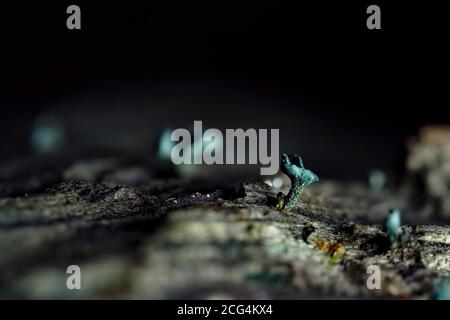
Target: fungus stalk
x,y
300,177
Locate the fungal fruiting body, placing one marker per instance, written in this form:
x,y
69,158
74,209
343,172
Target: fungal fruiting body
x,y
442,289
393,226
396,232
300,177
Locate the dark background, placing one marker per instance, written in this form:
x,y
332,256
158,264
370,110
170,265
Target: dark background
x,y
344,97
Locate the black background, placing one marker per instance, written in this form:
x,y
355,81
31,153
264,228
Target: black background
x,y
343,96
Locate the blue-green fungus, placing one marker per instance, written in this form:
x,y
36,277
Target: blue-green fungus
x,y
165,145
392,225
292,166
48,134
442,289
